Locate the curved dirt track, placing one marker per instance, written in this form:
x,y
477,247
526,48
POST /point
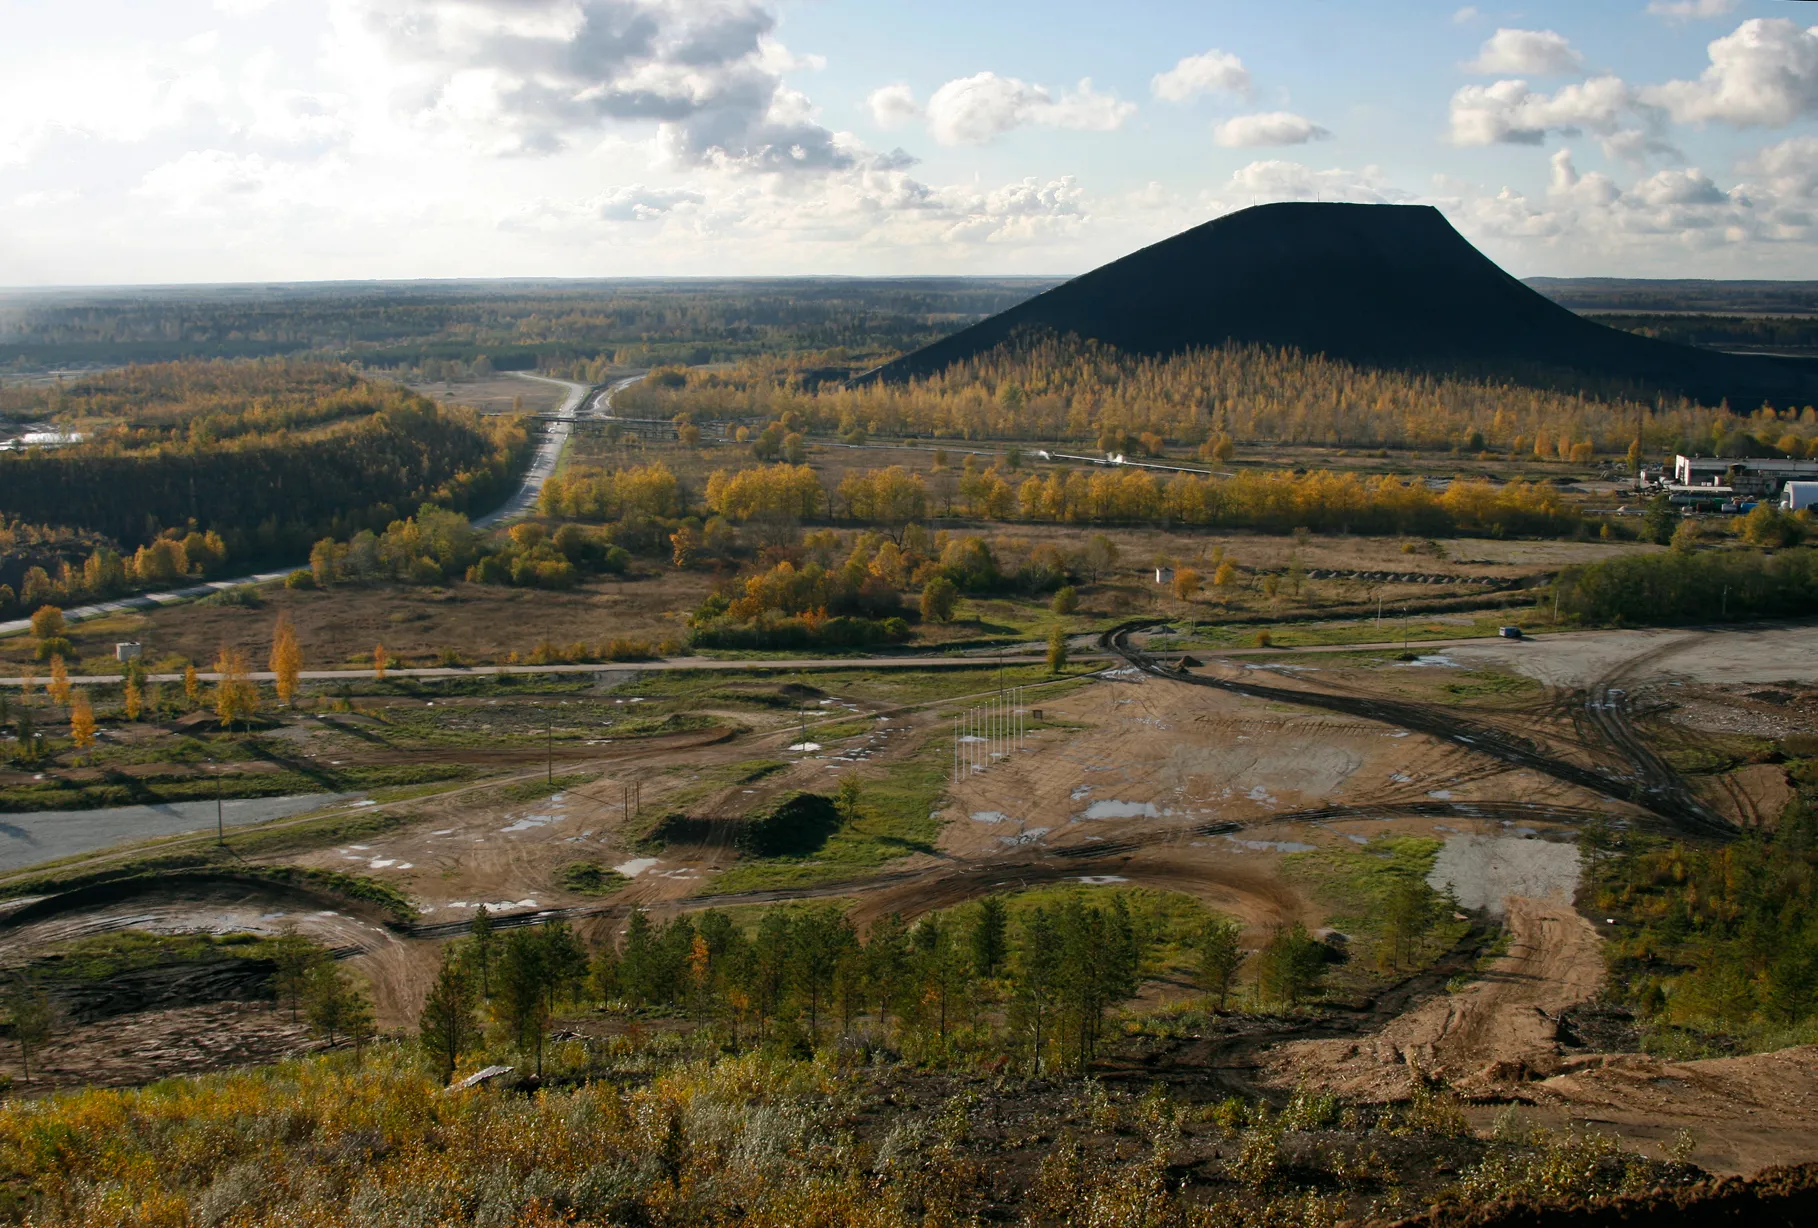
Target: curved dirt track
x,y
1498,1030
1677,806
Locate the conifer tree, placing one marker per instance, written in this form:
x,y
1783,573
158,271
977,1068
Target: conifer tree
x,y
482,947
446,1026
990,936
1219,957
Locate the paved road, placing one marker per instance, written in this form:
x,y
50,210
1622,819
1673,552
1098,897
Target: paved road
x,y
46,835
548,453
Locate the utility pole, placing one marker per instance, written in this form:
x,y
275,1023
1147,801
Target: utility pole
x,y
220,820
548,749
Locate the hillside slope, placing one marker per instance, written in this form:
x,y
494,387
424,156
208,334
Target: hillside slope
x,y
1380,285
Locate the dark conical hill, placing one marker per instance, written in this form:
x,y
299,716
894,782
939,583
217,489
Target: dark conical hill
x,y
1378,285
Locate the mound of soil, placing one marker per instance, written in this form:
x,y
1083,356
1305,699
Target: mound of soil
x,y
1386,285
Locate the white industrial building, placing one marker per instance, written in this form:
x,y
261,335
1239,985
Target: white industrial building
x,y
1741,475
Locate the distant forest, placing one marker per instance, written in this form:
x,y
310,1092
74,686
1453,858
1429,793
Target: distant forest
x,y
271,455
500,325
1796,335
1048,388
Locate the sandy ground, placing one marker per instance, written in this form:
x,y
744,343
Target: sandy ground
x,y
1744,655
134,1049
1744,1113
498,393
1496,1031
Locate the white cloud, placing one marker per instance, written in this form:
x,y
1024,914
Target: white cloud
x,y
893,106
1764,73
535,76
213,183
1509,113
1267,128
1686,10
241,8
972,110
114,100
1596,189
1276,180
45,199
1210,72
1534,52
638,203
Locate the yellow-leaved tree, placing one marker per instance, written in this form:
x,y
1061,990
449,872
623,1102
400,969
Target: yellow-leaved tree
x,y
236,698
380,659
81,721
192,687
58,687
134,698
286,660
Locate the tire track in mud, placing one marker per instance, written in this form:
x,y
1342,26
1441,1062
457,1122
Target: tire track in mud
x,y
1645,788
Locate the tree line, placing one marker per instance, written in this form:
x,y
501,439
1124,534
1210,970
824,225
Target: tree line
x,y
556,328
1033,982
1049,388
270,488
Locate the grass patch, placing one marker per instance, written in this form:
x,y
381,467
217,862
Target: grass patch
x,y
897,818
679,689
1492,684
302,837
1357,885
125,791
101,957
589,878
1716,753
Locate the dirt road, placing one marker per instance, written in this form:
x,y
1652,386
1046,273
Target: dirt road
x,y
1497,1031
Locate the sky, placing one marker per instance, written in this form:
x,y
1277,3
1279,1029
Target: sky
x,y
185,141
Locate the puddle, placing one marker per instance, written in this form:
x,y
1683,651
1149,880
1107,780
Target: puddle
x,y
1273,846
636,866
530,821
1032,835
1101,880
1442,662
805,747
990,816
1080,792
1483,871
1441,795
1112,809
